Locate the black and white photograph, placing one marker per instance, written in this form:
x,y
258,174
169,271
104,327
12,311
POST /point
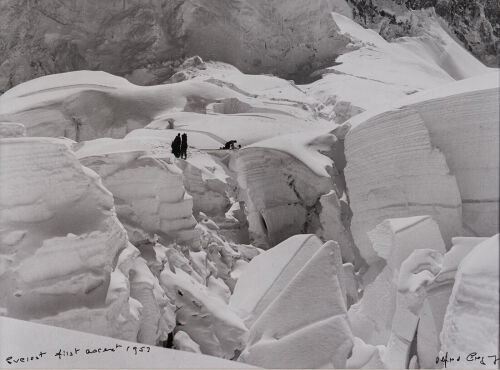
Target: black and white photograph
x,y
244,184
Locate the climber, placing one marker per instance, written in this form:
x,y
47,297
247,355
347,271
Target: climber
x,y
184,146
176,146
230,144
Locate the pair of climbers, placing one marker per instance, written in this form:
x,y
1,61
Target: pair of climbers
x,y
179,146
230,145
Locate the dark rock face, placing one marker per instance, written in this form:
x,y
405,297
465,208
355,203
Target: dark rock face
x,y
476,23
146,41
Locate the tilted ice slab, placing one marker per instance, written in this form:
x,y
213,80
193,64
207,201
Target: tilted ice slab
x,y
149,191
269,273
471,320
394,240
60,240
423,155
298,316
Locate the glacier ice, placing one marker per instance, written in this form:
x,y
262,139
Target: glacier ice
x,y
60,238
298,313
393,240
149,192
402,160
471,320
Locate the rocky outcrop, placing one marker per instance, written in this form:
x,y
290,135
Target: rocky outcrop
x,y
146,41
475,23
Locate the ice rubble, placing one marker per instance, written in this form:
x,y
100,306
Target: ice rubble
x,y
423,155
471,320
393,240
296,310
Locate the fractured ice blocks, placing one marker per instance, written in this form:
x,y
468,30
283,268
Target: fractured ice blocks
x,y
296,311
394,240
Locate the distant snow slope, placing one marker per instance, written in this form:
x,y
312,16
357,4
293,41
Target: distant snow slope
x,y
376,71
85,105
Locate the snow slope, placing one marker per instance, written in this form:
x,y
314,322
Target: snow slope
x,y
86,105
377,72
22,339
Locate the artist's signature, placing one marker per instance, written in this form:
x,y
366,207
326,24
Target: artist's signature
x,y
473,358
76,351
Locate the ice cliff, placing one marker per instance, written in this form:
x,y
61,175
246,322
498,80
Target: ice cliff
x,y
60,241
407,161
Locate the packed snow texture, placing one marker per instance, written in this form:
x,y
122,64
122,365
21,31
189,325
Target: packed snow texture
x,y
471,321
223,104
105,231
297,314
11,129
60,238
423,155
374,72
148,190
25,339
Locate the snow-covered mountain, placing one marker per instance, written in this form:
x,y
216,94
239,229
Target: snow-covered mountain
x,y
347,228
146,41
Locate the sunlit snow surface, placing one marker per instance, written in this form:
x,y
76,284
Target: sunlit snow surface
x,y
378,223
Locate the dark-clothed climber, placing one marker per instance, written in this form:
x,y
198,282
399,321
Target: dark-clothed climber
x,y
184,146
176,146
